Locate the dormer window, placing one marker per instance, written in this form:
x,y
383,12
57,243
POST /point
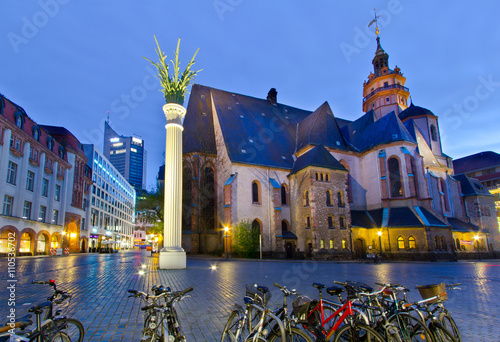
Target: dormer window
x,y
19,119
61,152
50,143
36,133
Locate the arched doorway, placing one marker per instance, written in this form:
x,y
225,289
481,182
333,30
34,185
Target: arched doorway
x,y
8,238
359,249
84,246
42,244
289,248
25,245
309,250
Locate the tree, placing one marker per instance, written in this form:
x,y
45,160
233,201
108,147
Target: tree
x,y
149,211
246,239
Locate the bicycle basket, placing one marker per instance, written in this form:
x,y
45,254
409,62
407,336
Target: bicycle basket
x,y
428,291
302,306
257,296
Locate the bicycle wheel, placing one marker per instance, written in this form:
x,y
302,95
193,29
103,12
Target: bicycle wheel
x,y
440,333
411,328
71,327
449,323
232,327
357,333
60,337
296,335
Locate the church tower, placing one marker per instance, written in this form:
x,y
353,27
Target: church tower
x,y
384,91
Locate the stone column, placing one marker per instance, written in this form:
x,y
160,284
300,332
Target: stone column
x,y
172,256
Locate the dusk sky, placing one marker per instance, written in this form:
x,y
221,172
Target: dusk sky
x,y
69,62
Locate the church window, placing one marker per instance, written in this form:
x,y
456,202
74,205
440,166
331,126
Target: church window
x,y
395,178
255,192
342,222
401,243
344,244
434,135
284,226
457,241
340,199
436,242
443,243
332,243
412,242
330,222
329,198
444,192
308,222
387,99
256,227
306,198
283,195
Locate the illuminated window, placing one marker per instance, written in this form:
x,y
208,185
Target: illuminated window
x,y
401,242
344,244
332,243
412,243
117,144
41,242
54,243
25,246
321,243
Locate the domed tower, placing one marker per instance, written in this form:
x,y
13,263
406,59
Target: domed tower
x,y
384,91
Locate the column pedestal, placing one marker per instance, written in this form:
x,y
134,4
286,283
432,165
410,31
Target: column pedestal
x,y
172,258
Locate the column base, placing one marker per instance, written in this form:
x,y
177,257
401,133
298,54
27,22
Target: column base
x,y
172,258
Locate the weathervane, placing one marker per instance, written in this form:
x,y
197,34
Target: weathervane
x,y
375,20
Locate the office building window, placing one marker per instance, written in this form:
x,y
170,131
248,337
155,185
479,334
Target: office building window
x,y
30,181
8,203
27,210
55,216
45,187
43,212
57,194
12,173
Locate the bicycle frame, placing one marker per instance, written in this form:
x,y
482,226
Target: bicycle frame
x,y
346,310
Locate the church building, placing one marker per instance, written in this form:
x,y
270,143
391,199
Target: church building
x,y
316,185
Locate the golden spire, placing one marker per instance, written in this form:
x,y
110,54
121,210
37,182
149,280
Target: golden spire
x,y
375,21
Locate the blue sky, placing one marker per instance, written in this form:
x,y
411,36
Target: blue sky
x,y
69,62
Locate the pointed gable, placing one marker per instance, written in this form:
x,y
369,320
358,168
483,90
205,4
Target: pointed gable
x,y
319,157
383,131
358,125
320,128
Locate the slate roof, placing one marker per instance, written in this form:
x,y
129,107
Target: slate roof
x,y
461,226
383,131
288,235
361,218
432,219
317,156
478,161
358,125
471,186
401,217
320,127
413,111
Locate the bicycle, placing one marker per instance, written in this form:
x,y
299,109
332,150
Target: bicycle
x,y
161,322
293,333
436,316
242,327
327,322
51,327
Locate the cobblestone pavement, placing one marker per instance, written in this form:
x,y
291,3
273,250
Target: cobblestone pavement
x,y
99,284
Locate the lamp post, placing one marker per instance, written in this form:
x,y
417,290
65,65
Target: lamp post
x,y
379,233
226,230
477,242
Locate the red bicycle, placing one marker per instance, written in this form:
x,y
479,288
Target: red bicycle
x,y
329,321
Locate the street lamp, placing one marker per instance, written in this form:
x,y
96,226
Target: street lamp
x,y
379,233
477,242
226,230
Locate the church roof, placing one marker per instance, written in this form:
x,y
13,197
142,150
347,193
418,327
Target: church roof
x,y
318,156
471,186
414,111
320,128
478,161
461,226
383,131
358,125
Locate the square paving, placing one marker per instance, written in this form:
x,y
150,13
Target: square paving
x,y
99,284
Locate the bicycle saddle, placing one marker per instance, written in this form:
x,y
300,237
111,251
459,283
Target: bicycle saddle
x,y
319,286
40,307
334,290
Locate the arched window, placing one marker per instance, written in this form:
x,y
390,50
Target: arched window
x,y
5,241
444,191
344,244
61,152
443,243
322,243
395,178
40,244
306,198
36,133
25,246
436,242
283,195
401,243
50,143
457,241
414,173
412,242
208,201
255,192
308,222
434,135
340,199
284,226
19,119
329,198
330,222
187,198
342,222
317,176
332,243
256,228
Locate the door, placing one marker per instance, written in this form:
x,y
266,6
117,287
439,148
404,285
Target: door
x,y
359,249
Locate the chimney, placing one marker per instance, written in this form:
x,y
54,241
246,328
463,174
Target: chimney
x,y
272,96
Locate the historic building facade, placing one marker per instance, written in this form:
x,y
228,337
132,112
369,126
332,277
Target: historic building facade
x,y
316,185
